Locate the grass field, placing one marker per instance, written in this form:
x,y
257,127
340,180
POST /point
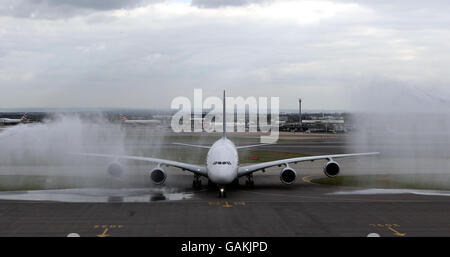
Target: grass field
x,y
407,181
34,182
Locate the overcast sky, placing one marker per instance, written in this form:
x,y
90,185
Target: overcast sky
x,y
142,54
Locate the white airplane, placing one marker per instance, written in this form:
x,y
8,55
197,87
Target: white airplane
x,y
8,121
222,164
125,120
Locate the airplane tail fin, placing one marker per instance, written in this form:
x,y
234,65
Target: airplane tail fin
x,y
224,117
123,117
24,117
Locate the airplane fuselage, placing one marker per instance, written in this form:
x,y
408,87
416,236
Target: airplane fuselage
x,y
8,121
222,162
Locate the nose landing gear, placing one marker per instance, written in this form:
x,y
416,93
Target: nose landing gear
x,y
222,192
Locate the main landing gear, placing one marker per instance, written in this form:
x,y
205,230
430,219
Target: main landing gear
x,y
211,185
197,183
249,182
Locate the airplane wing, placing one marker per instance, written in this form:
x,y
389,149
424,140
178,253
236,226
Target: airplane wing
x,y
245,170
197,169
248,146
198,146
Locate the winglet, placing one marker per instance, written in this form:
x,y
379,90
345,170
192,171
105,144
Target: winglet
x,y
224,121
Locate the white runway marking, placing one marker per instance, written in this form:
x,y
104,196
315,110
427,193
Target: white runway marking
x,y
373,235
73,235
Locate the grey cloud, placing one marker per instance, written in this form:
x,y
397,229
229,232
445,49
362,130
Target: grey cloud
x,y
96,5
54,9
123,64
408,14
400,4
225,3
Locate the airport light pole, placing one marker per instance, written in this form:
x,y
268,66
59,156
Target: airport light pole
x,y
300,113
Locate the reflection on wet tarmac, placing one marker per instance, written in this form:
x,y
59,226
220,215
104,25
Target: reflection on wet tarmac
x,y
115,199
375,191
97,195
158,197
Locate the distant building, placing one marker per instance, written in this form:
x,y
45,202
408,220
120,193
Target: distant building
x,y
314,123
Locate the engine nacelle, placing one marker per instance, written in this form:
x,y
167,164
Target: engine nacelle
x,y
116,170
158,176
288,175
331,169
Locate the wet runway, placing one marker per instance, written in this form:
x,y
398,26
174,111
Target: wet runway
x,y
268,209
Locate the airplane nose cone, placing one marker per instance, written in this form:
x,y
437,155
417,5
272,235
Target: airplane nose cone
x,y
222,178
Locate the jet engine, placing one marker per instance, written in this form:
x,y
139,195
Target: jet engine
x,y
158,176
331,169
288,175
116,170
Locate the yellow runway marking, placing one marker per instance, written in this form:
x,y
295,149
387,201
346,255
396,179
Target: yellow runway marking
x,y
390,227
226,204
307,179
104,233
396,232
106,228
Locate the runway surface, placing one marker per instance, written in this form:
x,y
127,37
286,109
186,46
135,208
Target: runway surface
x,y
267,209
